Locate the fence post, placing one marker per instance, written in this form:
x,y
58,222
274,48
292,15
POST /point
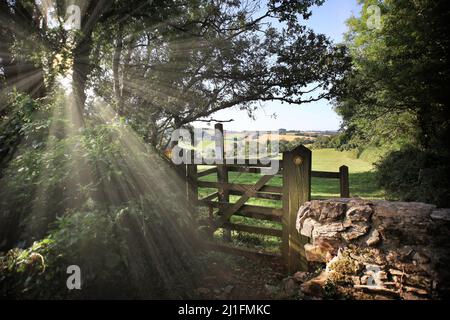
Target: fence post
x,y
222,171
296,191
191,176
344,182
181,169
192,191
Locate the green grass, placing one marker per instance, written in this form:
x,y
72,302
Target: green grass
x,y
362,184
362,177
373,154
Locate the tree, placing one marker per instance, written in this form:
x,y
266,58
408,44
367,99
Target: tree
x,y
400,77
18,68
211,55
215,56
397,95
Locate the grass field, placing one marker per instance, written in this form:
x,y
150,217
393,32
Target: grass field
x,y
362,184
362,179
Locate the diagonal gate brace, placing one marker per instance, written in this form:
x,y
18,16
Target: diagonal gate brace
x,y
226,214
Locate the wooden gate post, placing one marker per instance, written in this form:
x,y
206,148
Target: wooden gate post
x,y
296,191
343,182
222,171
192,190
191,175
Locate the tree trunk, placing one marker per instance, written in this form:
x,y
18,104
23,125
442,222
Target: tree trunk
x,y
116,64
81,70
423,120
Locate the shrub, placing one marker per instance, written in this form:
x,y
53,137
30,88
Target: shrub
x,y
31,273
414,175
98,198
323,142
17,116
123,253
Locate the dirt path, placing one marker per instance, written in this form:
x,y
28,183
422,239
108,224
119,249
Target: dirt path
x,y
233,277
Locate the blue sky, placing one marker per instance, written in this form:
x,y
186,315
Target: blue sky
x,y
328,19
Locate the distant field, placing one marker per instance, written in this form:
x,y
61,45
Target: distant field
x,y
230,137
291,137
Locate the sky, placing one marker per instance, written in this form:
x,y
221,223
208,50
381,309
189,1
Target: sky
x,y
328,19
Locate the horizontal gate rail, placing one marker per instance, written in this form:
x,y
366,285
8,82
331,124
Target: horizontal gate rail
x,y
323,174
237,168
256,212
209,197
238,187
260,195
266,163
206,172
343,177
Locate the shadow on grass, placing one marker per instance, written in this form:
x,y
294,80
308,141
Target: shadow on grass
x,y
362,184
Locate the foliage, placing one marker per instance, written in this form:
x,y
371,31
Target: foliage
x,y
285,145
170,63
396,94
393,94
324,142
412,174
103,244
19,118
235,57
79,191
24,273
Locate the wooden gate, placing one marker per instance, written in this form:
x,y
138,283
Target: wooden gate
x,y
296,173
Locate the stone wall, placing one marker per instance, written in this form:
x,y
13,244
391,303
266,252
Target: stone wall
x,y
391,249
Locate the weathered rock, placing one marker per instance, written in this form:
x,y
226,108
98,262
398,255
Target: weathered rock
x,y
325,211
317,253
406,210
356,280
374,238
328,231
441,214
416,291
355,231
315,287
301,276
421,258
359,213
395,272
378,290
307,227
289,287
407,245
303,213
411,296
